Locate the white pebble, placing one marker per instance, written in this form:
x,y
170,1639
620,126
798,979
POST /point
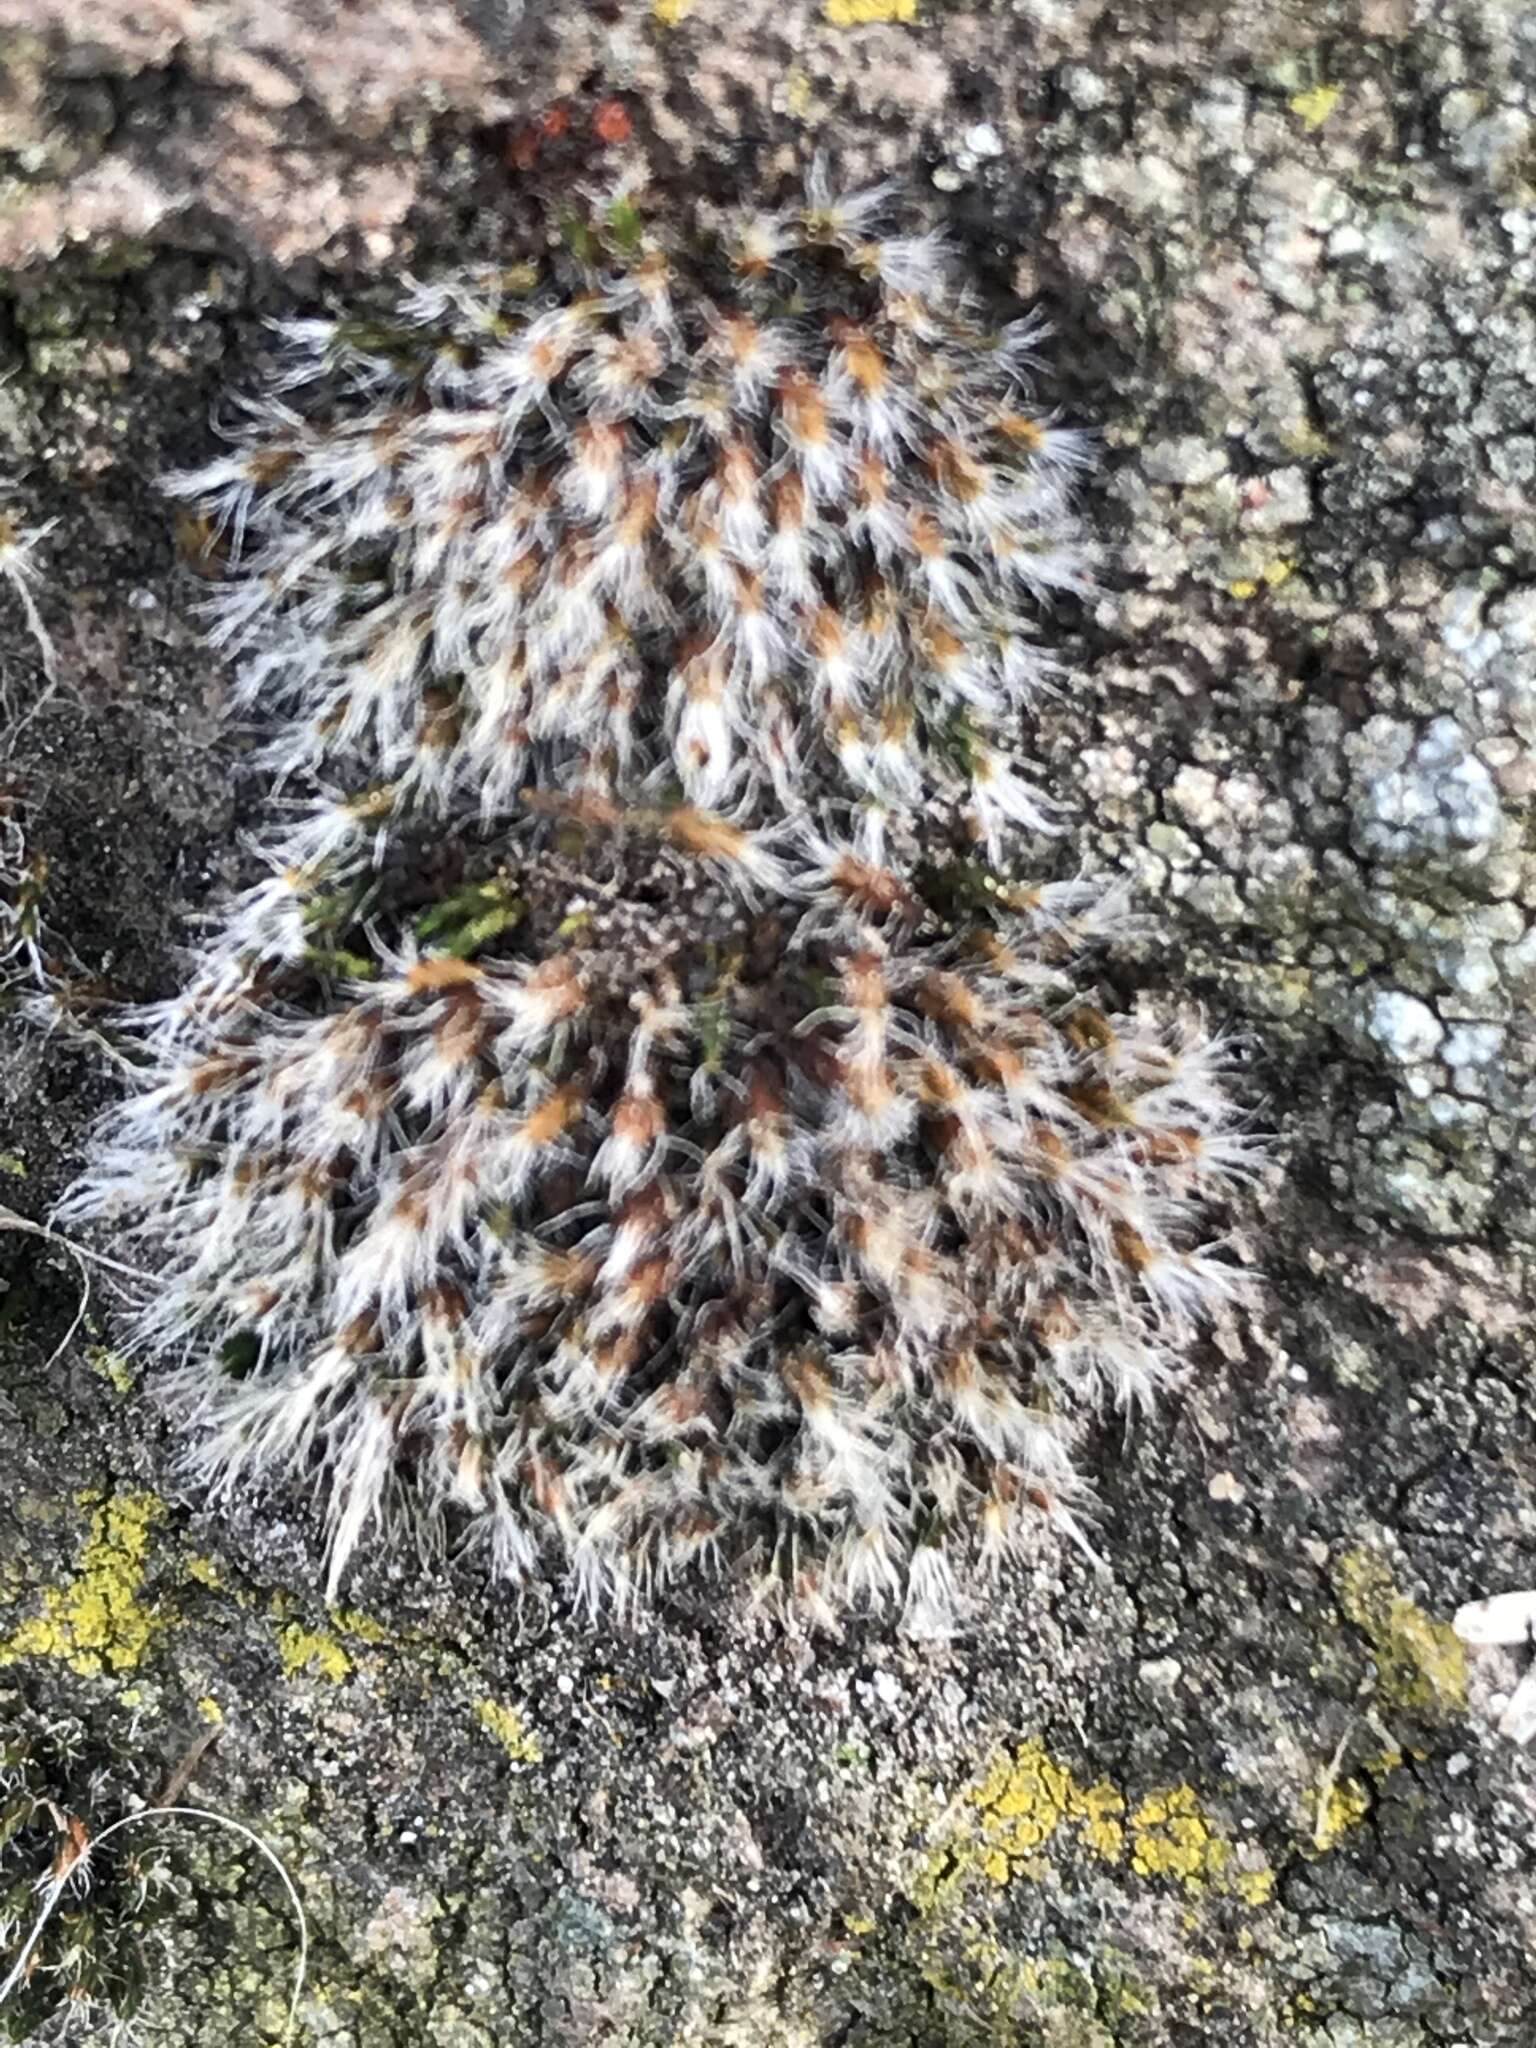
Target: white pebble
x,y
1504,1618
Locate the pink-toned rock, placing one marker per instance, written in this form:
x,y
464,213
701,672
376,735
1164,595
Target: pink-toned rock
x,y
358,62
366,71
111,200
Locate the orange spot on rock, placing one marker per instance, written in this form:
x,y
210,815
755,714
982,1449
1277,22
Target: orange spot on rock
x,y
521,151
611,123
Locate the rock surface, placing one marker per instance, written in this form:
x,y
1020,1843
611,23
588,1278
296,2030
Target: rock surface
x,y
1245,1783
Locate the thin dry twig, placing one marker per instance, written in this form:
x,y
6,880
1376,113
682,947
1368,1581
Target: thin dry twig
x,y
30,1227
9,1220
183,1773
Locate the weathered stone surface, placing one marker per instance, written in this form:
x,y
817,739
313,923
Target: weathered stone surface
x,y
1245,1783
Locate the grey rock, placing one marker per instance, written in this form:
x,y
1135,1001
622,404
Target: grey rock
x,y
1287,250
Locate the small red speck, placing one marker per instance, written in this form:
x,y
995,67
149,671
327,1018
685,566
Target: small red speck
x,y
611,123
1256,494
521,151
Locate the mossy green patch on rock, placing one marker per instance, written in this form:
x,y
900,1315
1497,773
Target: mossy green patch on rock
x,y
111,1366
67,1786
1420,1663
1045,2000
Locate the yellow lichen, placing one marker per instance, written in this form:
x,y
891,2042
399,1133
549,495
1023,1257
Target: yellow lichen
x,y
1023,1801
670,12
859,13
1340,1807
1315,106
1120,1999
211,1711
1171,1837
1255,1886
797,94
1306,443
205,1571
361,1625
111,1367
304,1650
1031,1803
98,1621
506,1725
1420,1662
1270,575
1102,1831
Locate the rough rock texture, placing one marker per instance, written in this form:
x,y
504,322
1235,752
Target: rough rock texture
x,y
1245,1785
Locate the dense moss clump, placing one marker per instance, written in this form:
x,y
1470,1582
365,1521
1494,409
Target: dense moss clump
x,y
98,1952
